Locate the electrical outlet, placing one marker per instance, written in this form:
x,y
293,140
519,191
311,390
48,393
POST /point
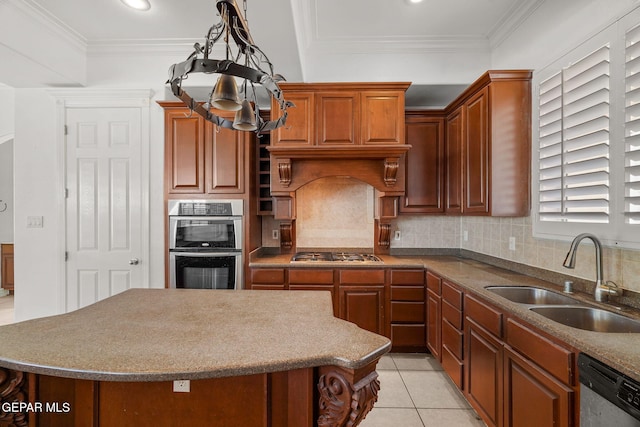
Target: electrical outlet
x,y
182,386
465,235
397,235
512,243
275,234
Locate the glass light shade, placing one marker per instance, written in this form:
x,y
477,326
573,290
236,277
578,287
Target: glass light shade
x,y
225,94
245,118
138,4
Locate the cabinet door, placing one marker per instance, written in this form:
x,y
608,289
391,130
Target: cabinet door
x,y
434,317
314,280
364,306
300,125
454,171
476,154
184,152
382,117
483,373
424,166
532,396
338,118
225,160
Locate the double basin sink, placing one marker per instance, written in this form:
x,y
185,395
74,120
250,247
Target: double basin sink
x,y
566,310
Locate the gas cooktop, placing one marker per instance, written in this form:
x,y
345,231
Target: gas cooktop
x,y
334,256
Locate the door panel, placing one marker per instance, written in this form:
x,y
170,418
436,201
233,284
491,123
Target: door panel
x,y
104,205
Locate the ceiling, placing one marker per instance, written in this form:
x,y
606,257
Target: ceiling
x,y
303,37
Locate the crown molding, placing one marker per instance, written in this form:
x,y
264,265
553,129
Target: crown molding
x,y
142,46
511,21
400,44
49,21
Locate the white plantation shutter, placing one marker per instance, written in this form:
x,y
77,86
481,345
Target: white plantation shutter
x,y
632,127
574,142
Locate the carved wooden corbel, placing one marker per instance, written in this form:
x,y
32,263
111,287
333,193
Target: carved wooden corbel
x,y
284,172
391,166
343,404
14,387
384,235
286,235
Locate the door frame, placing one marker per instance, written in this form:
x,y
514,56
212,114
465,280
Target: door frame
x,y
100,98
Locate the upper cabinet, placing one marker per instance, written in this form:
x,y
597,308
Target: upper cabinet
x,y
201,158
487,151
424,163
342,114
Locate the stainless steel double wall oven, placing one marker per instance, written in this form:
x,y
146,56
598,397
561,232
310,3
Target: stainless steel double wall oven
x,y
205,244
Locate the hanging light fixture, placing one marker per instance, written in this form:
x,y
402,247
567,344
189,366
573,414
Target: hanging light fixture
x,y
243,60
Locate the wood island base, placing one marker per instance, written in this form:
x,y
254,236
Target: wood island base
x,y
326,396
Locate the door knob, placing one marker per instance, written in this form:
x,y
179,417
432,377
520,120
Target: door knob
x,y
134,261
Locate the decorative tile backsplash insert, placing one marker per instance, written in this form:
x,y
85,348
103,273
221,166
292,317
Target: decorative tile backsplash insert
x,y
491,236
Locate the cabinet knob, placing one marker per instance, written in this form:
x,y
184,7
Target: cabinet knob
x,y
134,261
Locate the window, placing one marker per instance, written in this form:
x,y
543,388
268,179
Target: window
x,y
587,164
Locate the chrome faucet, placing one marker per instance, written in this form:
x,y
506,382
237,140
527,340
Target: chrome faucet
x,y
602,290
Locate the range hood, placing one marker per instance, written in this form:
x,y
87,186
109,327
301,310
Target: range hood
x,y
354,130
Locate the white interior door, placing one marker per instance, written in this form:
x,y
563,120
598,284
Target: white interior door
x,y
104,214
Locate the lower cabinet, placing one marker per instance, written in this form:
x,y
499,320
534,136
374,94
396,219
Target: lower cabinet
x,y
362,298
452,333
315,280
267,279
6,266
407,310
516,375
434,316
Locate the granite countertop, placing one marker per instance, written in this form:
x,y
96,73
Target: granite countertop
x,y
171,334
618,350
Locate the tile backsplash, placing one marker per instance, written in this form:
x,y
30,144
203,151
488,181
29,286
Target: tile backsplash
x,y
490,236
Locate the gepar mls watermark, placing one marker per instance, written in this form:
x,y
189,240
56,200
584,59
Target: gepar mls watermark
x,y
37,407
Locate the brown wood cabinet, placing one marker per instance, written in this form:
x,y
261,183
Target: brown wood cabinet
x,y
6,265
452,332
489,146
342,114
201,158
407,310
516,375
362,298
434,315
424,174
483,360
315,280
483,165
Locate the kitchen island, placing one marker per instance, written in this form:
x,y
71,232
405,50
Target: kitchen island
x,y
168,357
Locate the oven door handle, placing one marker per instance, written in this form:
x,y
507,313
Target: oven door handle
x,y
205,218
205,254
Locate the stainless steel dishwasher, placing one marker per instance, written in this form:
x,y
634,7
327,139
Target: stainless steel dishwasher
x,y
607,397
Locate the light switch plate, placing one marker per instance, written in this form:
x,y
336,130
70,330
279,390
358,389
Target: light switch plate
x,y
512,243
34,222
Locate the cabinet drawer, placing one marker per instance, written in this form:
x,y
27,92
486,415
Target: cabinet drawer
x,y
452,338
407,277
452,295
273,287
408,335
452,314
320,277
485,316
267,275
433,282
453,367
364,277
407,293
411,312
556,360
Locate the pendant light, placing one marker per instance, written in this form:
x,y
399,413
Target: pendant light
x,y
233,32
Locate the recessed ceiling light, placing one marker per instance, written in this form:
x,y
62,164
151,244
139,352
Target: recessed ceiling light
x,y
414,1
138,4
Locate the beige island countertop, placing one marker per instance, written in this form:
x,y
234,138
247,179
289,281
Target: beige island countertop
x,y
171,334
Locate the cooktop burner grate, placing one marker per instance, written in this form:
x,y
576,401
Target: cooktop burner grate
x,y
334,256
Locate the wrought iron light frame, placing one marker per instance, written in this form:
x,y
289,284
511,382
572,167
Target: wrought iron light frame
x,y
232,29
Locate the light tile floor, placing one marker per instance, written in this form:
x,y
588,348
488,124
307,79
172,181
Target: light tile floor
x,y
6,310
415,392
